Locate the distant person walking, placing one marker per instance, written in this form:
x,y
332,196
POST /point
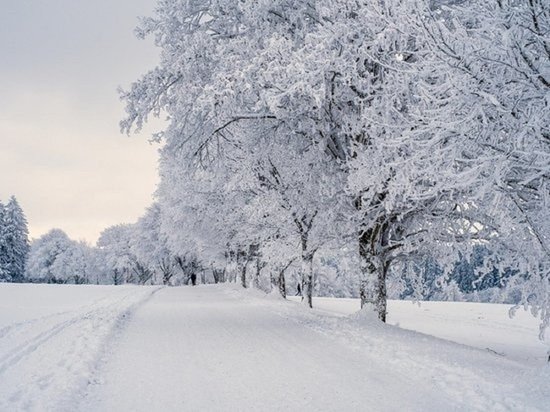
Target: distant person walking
x,y
193,279
299,290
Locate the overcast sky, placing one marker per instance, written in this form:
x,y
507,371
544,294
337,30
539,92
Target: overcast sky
x,y
61,153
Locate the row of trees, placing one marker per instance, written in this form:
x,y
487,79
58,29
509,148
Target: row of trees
x,y
384,133
14,242
138,254
125,253
366,145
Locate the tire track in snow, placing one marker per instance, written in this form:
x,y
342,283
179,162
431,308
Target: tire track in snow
x,y
43,368
31,345
7,331
19,327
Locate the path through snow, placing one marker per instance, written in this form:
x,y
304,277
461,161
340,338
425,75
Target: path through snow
x,y
221,349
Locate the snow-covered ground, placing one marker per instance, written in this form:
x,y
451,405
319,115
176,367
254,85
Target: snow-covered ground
x,y
52,337
481,325
93,348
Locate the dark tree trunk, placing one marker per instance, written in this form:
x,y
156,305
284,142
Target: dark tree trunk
x,y
373,275
307,280
281,283
219,275
142,273
243,275
304,225
257,275
166,277
167,271
183,265
117,277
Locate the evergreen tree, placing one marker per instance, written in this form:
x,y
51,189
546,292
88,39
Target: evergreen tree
x,y
15,242
3,252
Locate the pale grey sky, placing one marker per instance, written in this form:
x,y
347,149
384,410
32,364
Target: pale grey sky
x,y
61,153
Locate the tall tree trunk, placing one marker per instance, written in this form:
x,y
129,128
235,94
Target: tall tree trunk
x,y
216,274
279,282
116,277
381,294
307,279
374,269
282,283
243,275
257,274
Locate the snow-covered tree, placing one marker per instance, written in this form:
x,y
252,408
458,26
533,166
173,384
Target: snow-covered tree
x,y
119,261
14,242
44,253
3,253
149,245
77,264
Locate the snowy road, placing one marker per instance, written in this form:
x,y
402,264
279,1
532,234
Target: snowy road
x,y
219,349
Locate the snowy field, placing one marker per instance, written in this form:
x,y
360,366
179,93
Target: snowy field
x,y
104,348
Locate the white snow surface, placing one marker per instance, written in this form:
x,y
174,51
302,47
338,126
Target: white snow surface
x,y
481,325
93,348
51,337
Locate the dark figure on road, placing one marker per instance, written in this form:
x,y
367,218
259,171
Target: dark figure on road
x,y
193,279
299,290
